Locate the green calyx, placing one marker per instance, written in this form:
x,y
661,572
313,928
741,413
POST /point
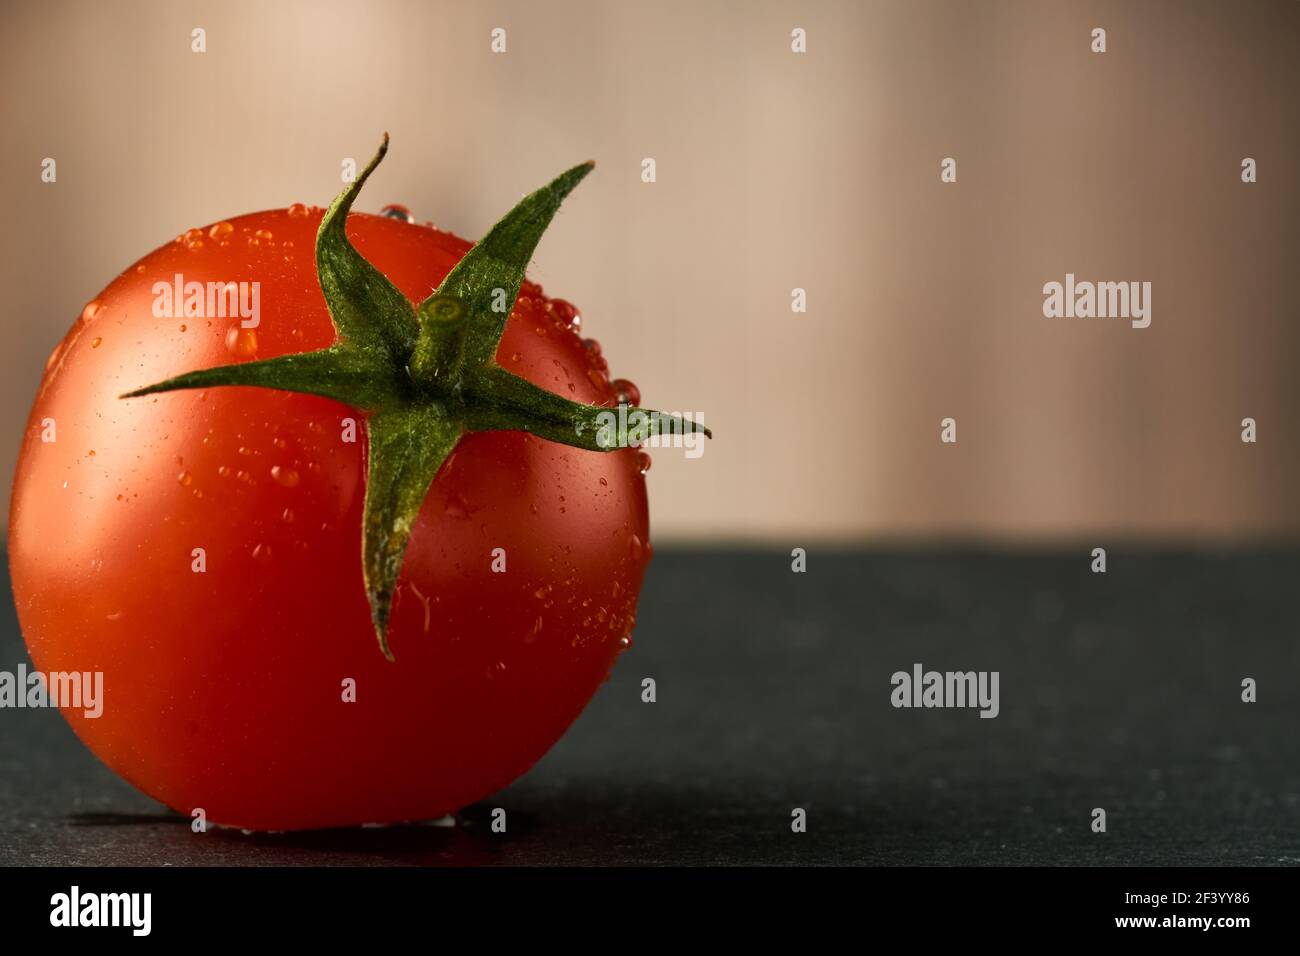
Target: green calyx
x,y
425,375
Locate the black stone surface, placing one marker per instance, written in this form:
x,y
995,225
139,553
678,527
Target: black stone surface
x,y
1120,691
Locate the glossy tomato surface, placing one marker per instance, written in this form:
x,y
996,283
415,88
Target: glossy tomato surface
x,y
225,688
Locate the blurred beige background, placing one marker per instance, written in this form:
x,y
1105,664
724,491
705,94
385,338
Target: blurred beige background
x,y
775,171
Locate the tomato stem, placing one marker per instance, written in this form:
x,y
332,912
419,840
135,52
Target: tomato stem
x,y
442,328
427,375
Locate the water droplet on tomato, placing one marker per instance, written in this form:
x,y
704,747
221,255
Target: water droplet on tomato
x,y
220,230
457,506
92,309
604,483
224,471
397,211
628,394
264,235
635,548
285,477
96,342
287,516
624,642
643,462
185,478
241,341
297,211
565,312
262,552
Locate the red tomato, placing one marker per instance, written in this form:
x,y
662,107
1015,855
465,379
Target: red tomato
x,y
225,689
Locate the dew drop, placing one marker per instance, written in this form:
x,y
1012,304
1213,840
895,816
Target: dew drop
x,y
262,552
92,309
185,478
396,211
457,506
297,211
241,341
287,516
224,471
565,312
643,462
286,477
220,230
604,482
635,548
628,394
96,342
264,235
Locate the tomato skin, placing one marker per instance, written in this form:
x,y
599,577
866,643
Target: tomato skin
x,y
223,690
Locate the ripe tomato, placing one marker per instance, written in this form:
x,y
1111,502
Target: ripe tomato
x,y
225,689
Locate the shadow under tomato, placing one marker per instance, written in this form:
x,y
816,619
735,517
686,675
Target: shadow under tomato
x,y
470,841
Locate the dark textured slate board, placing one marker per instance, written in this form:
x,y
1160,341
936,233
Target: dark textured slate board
x,y
1119,691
